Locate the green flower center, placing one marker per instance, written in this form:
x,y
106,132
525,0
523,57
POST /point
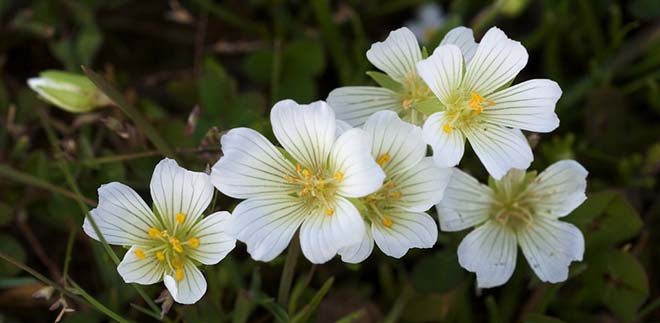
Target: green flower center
x,y
316,187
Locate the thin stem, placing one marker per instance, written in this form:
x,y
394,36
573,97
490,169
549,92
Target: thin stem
x,y
288,271
98,304
27,179
69,251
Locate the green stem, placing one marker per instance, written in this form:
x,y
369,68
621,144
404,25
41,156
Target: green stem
x,y
69,251
288,271
91,300
27,179
333,38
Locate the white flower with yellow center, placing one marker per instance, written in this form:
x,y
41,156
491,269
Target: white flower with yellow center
x,y
479,105
169,242
403,90
520,209
308,186
395,214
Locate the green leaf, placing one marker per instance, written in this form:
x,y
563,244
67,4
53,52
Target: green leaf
x,y
385,81
606,218
425,276
303,58
429,106
306,312
271,306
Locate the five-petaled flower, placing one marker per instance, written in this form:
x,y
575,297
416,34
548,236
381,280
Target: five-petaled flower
x,y
396,56
520,209
395,214
307,186
479,105
169,242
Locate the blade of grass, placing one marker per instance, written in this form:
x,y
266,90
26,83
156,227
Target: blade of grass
x,y
27,179
288,271
333,39
135,115
52,138
305,314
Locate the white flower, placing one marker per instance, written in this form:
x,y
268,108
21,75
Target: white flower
x,y
396,56
520,209
169,242
428,20
480,106
395,214
309,187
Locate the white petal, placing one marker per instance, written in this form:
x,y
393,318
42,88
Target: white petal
x,y
421,186
354,104
561,188
175,189
250,166
497,61
358,252
214,241
401,141
350,156
466,203
342,126
322,236
550,246
266,225
121,215
500,148
397,55
305,131
448,148
464,39
144,271
408,230
529,106
443,72
489,251
190,289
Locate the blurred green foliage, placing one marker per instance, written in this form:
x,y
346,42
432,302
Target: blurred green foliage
x,y
187,71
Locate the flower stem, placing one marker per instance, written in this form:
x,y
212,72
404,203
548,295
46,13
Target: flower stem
x,y
288,271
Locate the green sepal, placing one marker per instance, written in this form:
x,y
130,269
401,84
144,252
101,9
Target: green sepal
x,y
385,81
429,106
425,52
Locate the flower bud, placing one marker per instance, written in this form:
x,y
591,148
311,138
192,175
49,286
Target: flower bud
x,y
69,91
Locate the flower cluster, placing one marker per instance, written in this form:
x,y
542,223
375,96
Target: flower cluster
x,y
354,172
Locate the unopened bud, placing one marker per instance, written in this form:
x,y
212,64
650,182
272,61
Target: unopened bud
x,y
69,91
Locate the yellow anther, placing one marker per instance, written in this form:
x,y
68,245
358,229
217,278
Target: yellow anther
x,y
176,262
387,222
288,178
160,255
490,103
180,217
407,103
447,128
476,98
329,211
193,242
339,176
395,195
307,174
298,168
139,253
384,158
320,184
176,244
410,76
178,274
153,232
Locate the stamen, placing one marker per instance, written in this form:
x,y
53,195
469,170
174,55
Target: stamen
x,y
193,242
395,195
329,211
476,98
407,103
288,178
298,168
339,176
176,245
154,233
387,222
384,158
178,274
320,184
447,128
139,253
180,217
160,255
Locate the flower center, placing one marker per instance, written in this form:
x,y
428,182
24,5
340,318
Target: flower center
x,y
382,201
171,249
514,201
317,187
465,111
414,91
